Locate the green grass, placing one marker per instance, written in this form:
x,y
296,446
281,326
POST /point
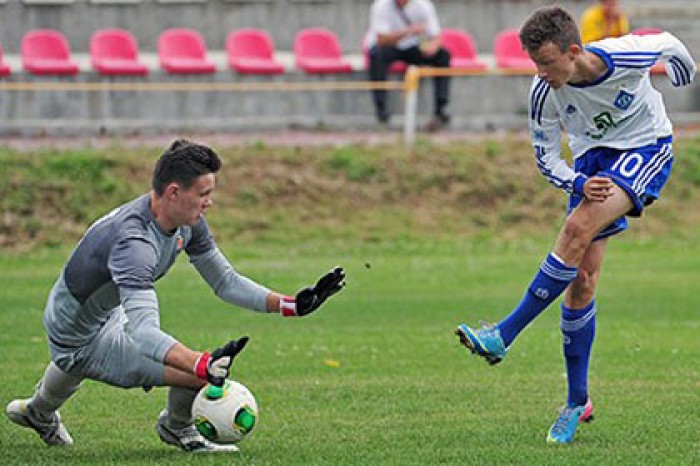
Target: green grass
x,y
405,391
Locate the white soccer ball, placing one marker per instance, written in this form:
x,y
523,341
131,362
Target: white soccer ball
x,y
228,418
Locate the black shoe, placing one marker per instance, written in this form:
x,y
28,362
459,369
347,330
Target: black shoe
x,y
438,122
383,116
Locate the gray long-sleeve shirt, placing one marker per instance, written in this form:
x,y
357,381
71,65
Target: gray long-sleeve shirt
x,y
117,263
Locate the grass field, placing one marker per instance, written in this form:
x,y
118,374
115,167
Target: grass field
x,y
405,392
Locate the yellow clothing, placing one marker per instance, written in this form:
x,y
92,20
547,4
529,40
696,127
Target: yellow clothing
x,y
593,25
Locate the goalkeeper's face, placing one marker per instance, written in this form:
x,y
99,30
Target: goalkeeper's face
x,y
191,203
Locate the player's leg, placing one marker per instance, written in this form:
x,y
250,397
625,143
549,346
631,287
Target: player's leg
x,y
40,412
578,318
554,275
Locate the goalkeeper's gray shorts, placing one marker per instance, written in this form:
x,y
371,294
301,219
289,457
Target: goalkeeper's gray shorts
x,y
110,357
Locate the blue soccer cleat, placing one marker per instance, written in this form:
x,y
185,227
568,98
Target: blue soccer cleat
x,y
564,428
485,341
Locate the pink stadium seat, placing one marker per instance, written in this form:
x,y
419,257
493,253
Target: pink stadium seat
x,y
647,31
46,52
398,67
509,52
4,69
183,51
317,51
658,68
251,51
115,52
462,50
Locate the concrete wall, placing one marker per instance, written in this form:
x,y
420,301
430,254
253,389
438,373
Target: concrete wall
x,y
478,103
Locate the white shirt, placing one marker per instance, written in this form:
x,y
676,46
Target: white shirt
x,y
620,110
385,18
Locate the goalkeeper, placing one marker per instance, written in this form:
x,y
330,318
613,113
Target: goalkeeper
x,y
102,315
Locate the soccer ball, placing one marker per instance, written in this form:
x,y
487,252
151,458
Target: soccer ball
x,y
225,416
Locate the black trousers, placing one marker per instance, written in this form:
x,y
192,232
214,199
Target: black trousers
x,y
381,58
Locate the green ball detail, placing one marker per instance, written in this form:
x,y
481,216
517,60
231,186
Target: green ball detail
x,y
205,428
214,392
245,420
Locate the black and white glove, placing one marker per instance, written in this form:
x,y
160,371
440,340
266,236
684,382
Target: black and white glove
x,y
215,367
309,299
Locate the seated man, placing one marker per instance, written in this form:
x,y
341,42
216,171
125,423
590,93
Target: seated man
x,y
406,30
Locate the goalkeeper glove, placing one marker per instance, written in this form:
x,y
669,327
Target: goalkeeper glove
x,y
310,298
215,367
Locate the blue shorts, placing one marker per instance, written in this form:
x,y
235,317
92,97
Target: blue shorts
x,y
641,172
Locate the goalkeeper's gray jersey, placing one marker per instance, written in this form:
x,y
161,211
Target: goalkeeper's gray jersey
x,y
117,262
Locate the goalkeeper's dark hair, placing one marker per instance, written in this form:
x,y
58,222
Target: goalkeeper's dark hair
x,y
549,24
183,162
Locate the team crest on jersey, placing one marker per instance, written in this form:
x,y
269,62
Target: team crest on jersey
x,y
623,100
570,109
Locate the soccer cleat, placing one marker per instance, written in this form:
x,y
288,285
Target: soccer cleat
x,y
564,427
51,431
485,342
188,438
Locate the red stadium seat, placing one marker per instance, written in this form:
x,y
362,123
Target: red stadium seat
x,y
251,51
115,52
462,49
317,51
647,31
4,69
46,52
509,52
183,51
398,67
658,68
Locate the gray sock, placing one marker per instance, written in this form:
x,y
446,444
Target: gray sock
x,y
180,406
52,391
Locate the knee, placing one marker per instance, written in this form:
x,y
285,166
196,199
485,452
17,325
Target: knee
x,y
575,236
582,289
442,57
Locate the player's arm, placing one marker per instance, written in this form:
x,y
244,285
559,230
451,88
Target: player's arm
x,y
132,267
545,134
228,284
680,66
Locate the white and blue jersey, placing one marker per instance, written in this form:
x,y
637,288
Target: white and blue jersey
x,y
619,111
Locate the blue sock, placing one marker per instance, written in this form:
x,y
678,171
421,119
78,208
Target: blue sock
x,y
578,331
551,280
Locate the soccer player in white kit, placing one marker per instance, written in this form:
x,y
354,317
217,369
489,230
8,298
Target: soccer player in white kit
x,y
621,141
102,316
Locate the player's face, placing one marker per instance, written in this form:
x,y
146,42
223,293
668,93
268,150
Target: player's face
x,y
191,203
553,65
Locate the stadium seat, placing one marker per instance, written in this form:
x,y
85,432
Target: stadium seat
x,y
509,53
252,51
4,69
183,51
46,52
647,31
462,49
317,51
398,67
658,68
115,52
